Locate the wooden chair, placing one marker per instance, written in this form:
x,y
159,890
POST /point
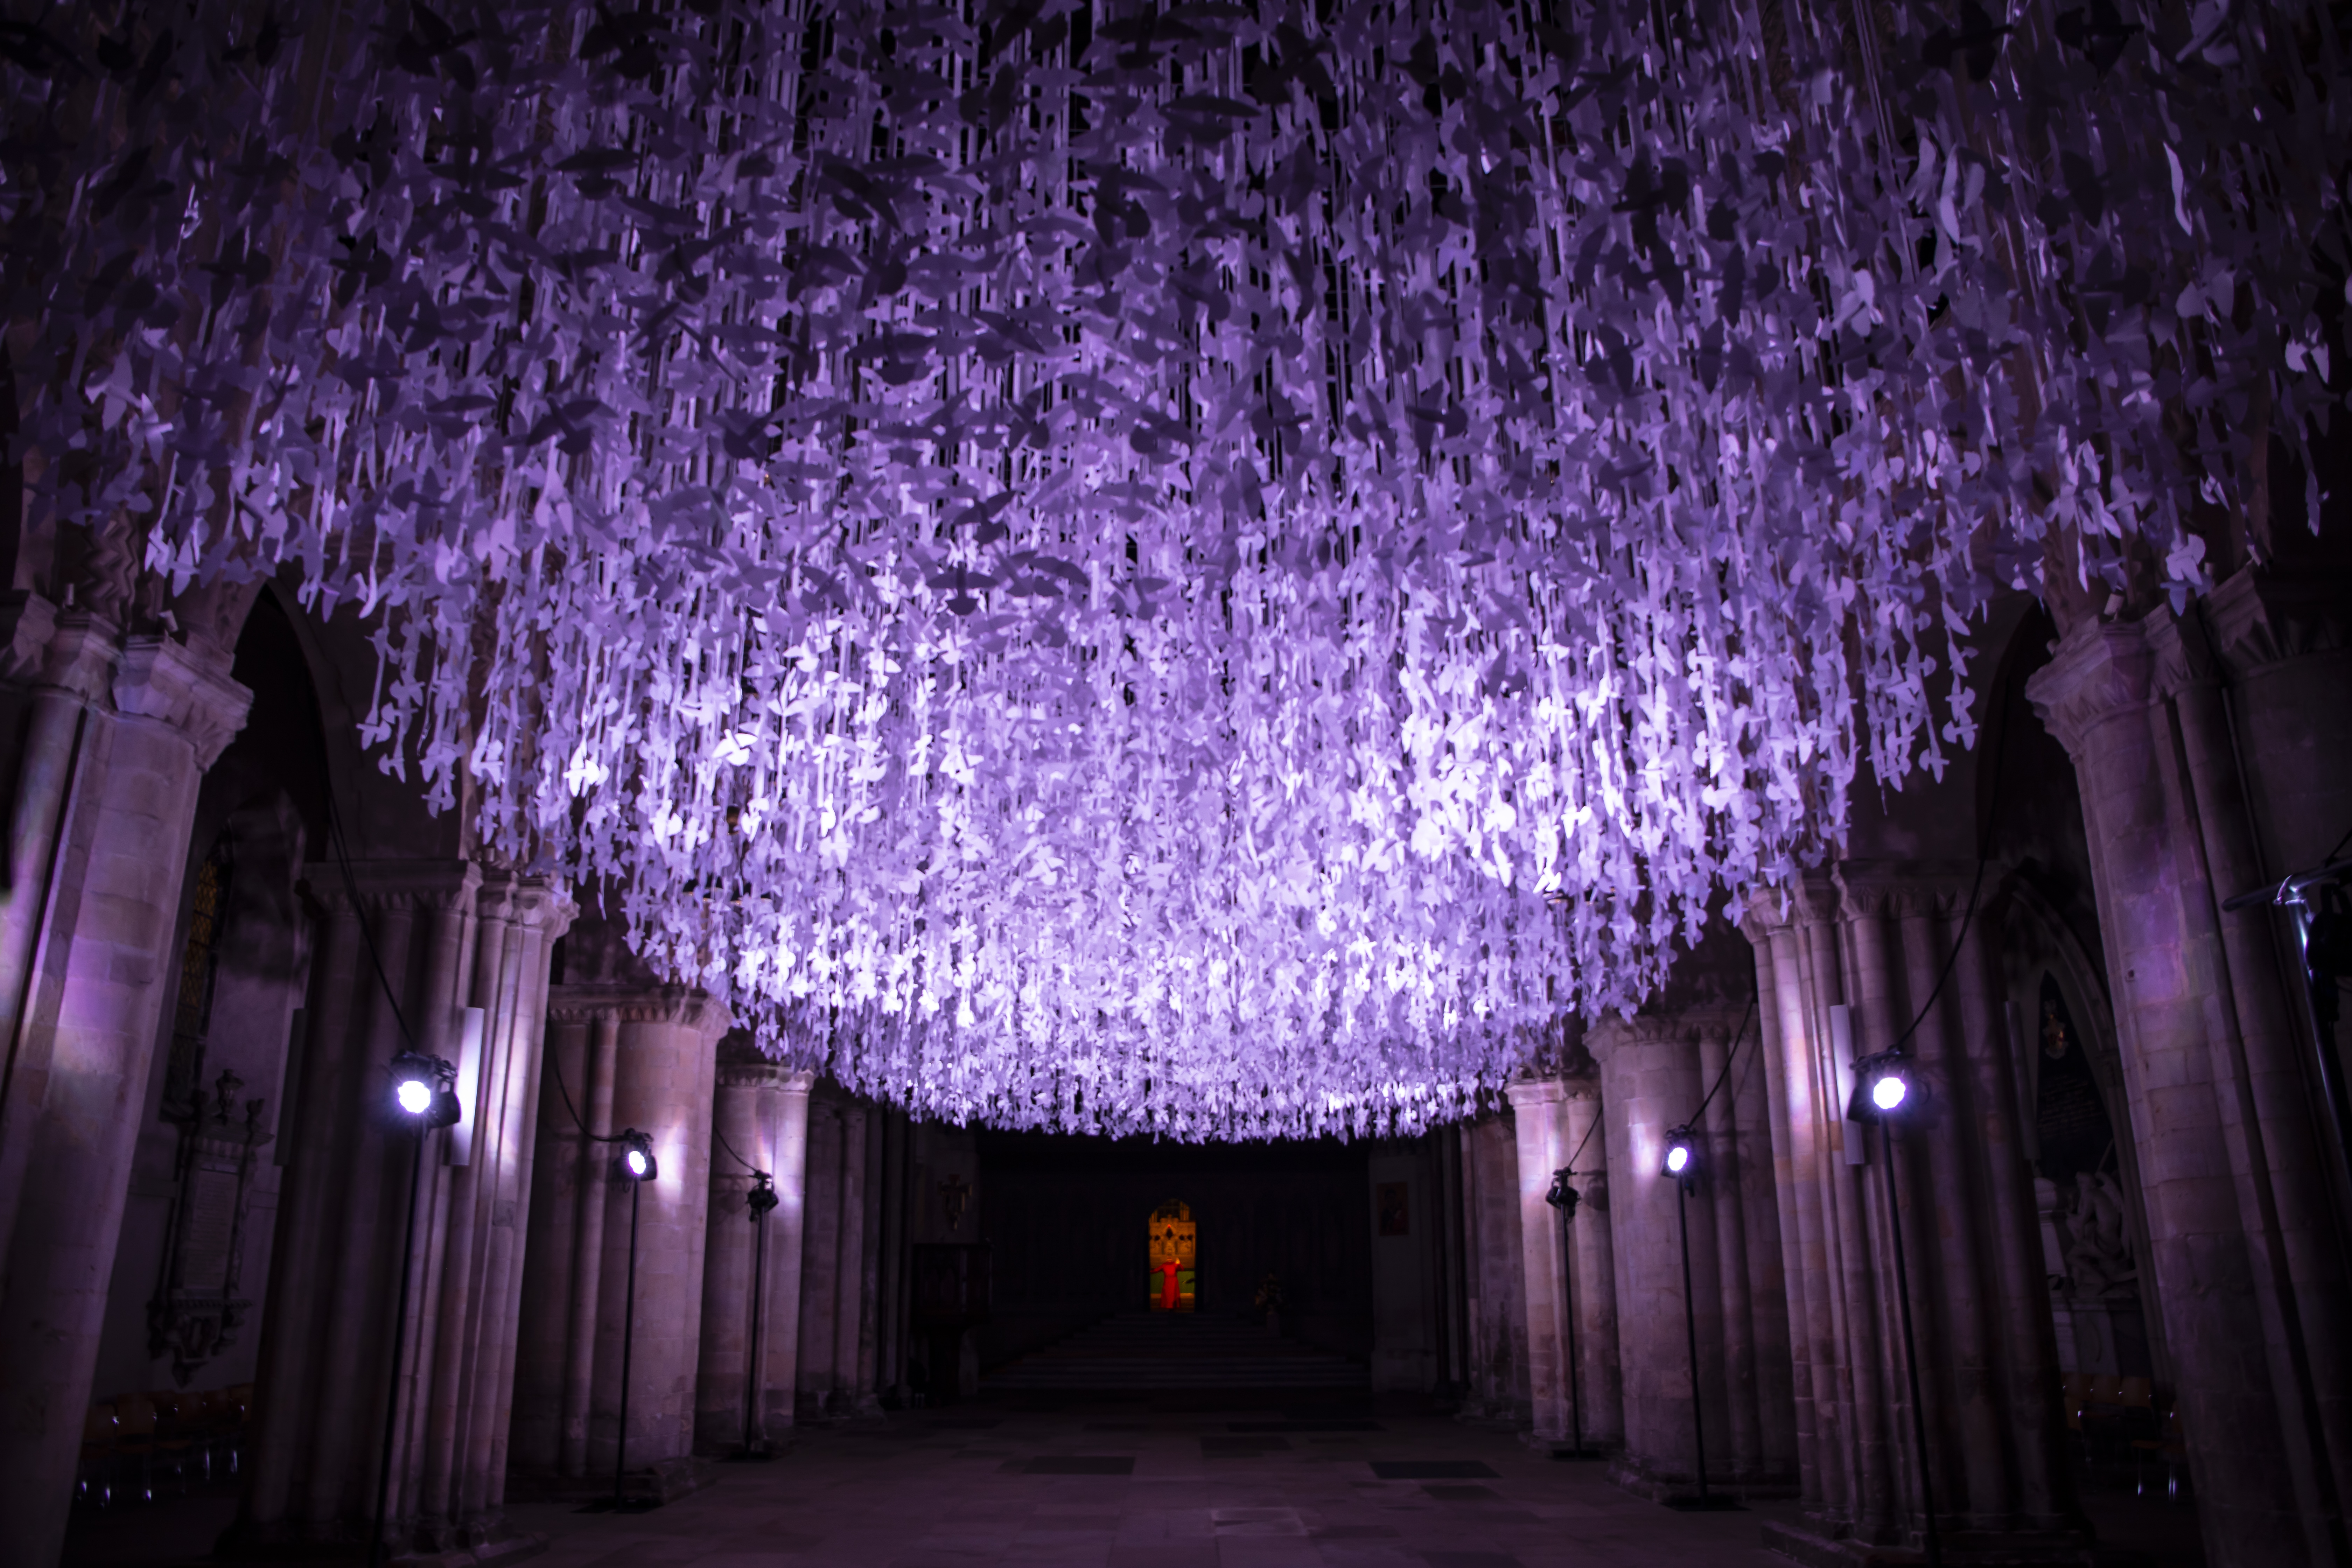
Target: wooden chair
x,y
2075,1394
134,1425
2168,1448
100,1443
179,1436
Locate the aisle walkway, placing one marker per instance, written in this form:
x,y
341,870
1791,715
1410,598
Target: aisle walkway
x,y
1102,1484
1132,1351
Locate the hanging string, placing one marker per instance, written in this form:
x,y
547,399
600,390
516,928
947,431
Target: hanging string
x,y
1730,1055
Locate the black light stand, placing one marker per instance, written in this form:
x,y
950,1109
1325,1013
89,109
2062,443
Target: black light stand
x,y
637,1167
424,1095
760,1200
1565,1198
1883,1092
1682,1165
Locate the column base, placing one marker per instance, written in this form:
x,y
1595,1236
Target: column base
x,y
1968,1549
664,1482
331,1544
505,1547
1631,1473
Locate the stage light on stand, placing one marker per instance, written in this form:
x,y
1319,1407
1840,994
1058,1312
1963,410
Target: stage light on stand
x,y
424,1097
1682,1156
1886,1087
1563,1198
637,1167
638,1162
1682,1166
1889,1090
758,1203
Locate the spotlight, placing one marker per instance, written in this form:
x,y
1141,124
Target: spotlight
x,y
1682,1154
1562,1196
1886,1088
762,1196
425,1089
638,1162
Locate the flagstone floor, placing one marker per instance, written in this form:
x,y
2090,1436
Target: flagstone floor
x,y
1205,1488
1151,1482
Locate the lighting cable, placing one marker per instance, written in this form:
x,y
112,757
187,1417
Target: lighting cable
x,y
555,1066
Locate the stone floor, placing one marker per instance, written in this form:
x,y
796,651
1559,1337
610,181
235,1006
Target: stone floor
x,y
1205,1489
1156,1483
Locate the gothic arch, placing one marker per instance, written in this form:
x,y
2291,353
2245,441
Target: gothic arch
x,y
2034,941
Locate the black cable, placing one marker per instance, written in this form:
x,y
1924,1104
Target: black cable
x,y
1730,1055
555,1065
1984,858
730,1150
359,909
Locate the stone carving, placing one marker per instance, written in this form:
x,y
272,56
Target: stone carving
x,y
2099,1260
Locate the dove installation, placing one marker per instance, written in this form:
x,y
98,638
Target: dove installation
x,y
1209,569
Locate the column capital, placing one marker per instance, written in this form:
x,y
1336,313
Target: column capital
x,y
2258,618
1527,1093
541,903
162,679
681,1005
2101,669
1811,899
1684,1026
1902,889
394,884
764,1075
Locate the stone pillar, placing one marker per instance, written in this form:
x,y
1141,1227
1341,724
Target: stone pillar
x,y
648,1057
1593,1268
388,975
891,1302
117,738
454,1480
1656,1070
779,1354
1535,1111
2248,1265
1877,939
852,1393
1495,1300
814,1377
760,1111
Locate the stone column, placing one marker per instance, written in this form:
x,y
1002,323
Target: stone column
x,y
387,975
120,737
647,1055
1535,1107
2248,1271
1878,940
1656,1070
779,1356
1495,1303
759,1112
1593,1268
1987,1372
814,1373
456,1483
